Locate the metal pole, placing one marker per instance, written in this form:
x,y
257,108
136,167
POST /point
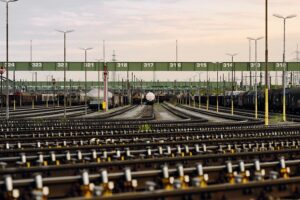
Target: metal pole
x,y
266,68
232,86
104,51
65,92
105,88
36,86
141,92
199,100
122,88
256,106
7,68
284,64
70,90
65,65
232,80
250,63
30,50
131,87
176,52
217,87
7,58
20,94
1,93
207,96
85,83
128,85
99,87
284,75
14,88
189,93
224,100
53,102
85,77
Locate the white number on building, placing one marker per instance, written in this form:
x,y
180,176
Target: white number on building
x,y
36,65
122,65
252,65
89,65
227,65
148,65
61,65
280,65
10,65
174,65
201,65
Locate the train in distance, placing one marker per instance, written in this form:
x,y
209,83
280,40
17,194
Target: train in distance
x,y
96,98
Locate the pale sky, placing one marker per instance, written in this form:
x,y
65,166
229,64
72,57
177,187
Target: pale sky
x,y
146,30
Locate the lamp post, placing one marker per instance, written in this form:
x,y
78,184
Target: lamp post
x,y
266,66
255,39
65,55
7,58
105,80
85,77
284,63
232,80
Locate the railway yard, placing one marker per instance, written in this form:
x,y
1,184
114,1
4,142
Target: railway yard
x,y
120,107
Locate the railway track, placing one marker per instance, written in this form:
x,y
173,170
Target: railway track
x,y
220,115
47,112
251,113
183,115
105,158
115,162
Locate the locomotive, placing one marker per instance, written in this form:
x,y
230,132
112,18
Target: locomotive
x,y
137,98
148,99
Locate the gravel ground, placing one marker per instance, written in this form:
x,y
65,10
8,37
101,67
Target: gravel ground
x,y
162,114
132,114
57,115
